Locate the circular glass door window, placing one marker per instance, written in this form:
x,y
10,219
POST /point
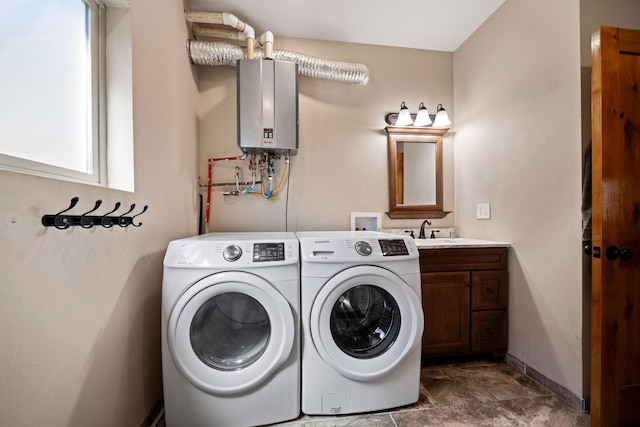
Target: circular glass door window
x,y
365,321
230,331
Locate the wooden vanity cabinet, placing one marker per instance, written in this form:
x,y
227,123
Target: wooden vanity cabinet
x,y
464,299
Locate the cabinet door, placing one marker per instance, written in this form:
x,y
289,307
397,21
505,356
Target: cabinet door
x,y
445,302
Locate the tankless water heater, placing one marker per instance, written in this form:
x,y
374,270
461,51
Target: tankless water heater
x,y
267,105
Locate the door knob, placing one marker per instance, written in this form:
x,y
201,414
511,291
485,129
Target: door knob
x,y
614,253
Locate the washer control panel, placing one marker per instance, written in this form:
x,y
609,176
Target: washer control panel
x,y
393,247
367,247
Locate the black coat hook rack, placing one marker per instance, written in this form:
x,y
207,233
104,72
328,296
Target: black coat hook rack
x,y
62,220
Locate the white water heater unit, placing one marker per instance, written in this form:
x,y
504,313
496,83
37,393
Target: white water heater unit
x,y
267,105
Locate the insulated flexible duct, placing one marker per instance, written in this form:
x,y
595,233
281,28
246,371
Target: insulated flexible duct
x,y
222,53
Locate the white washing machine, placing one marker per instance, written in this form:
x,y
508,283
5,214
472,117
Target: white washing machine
x,y
362,321
230,330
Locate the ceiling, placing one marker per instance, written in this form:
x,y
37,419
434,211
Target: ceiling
x,y
421,24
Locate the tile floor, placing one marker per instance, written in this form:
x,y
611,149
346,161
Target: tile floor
x,y
472,393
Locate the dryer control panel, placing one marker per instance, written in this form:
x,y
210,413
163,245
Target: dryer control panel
x,y
221,250
264,252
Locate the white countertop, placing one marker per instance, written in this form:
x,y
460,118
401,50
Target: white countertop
x,y
458,242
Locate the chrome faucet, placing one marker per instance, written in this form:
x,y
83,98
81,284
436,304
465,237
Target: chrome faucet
x,y
421,235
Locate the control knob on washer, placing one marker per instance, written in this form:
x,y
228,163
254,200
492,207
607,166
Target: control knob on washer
x,y
363,248
232,253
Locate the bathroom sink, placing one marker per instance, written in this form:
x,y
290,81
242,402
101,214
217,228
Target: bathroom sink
x,y
457,242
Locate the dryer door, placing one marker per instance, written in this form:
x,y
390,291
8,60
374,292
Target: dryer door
x,y
364,322
229,332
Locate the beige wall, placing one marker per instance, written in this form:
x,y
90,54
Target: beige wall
x,y
341,166
517,146
80,309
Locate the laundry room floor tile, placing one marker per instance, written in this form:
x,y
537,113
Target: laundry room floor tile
x,y
475,393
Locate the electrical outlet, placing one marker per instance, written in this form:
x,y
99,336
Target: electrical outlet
x,y
483,211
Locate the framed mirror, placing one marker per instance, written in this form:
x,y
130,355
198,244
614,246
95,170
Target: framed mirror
x,y
415,172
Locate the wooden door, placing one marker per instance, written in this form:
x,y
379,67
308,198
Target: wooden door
x,y
615,348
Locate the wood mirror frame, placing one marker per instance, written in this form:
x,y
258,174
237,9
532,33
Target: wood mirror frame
x,y
397,209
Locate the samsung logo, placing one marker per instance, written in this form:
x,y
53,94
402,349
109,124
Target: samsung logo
x,y
322,241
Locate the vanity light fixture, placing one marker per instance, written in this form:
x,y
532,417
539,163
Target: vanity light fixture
x,y
442,118
404,117
422,119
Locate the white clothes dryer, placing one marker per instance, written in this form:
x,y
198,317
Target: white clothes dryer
x,y
362,321
230,330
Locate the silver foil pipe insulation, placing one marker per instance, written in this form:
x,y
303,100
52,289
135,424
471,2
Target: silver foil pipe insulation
x,y
213,53
202,52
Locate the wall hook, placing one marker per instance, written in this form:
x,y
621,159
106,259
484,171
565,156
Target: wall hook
x,y
107,221
143,211
62,221
58,220
89,221
122,221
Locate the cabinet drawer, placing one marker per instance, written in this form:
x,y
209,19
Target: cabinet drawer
x,y
463,259
489,290
489,330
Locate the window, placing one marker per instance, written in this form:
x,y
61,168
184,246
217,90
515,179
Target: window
x,y
49,107
54,57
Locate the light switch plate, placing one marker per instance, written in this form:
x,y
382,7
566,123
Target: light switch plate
x,y
483,211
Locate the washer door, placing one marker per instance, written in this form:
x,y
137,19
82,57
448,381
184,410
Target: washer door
x,y
364,321
229,332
